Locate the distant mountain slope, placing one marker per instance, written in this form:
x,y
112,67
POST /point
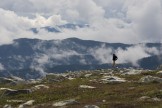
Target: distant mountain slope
x,y
25,56
151,62
59,28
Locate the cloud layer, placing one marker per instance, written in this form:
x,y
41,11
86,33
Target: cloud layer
x,y
1,67
125,21
129,55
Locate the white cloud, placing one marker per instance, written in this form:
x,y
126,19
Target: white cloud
x,y
102,54
128,21
130,55
145,16
1,67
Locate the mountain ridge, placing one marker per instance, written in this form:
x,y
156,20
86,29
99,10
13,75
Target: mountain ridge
x,y
71,54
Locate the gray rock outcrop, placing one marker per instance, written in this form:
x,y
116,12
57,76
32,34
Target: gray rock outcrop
x,y
112,79
91,106
64,103
27,104
10,92
149,78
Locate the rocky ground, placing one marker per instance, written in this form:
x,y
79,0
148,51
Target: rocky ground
x,y
110,88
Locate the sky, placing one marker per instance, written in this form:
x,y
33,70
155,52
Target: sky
x,y
124,21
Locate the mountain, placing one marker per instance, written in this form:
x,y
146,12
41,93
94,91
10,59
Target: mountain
x,y
151,62
31,58
59,28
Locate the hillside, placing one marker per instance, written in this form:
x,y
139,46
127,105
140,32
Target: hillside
x,y
33,58
106,88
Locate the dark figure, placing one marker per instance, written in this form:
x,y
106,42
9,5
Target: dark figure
x,y
114,59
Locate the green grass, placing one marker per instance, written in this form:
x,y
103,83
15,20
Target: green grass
x,y
123,95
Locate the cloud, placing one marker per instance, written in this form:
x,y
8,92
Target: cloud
x,y
13,26
131,54
1,67
146,21
53,56
102,54
124,21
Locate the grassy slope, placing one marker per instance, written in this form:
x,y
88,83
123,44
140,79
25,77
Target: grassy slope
x,y
123,95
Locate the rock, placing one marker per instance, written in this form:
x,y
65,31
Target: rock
x,y
7,106
15,101
27,104
10,92
91,106
149,78
1,89
41,86
104,101
131,88
44,105
156,99
12,81
159,73
112,79
18,80
88,75
51,77
131,72
64,103
34,81
7,81
70,78
149,99
94,80
86,86
159,67
144,98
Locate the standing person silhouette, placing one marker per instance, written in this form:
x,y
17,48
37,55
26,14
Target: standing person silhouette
x,y
114,59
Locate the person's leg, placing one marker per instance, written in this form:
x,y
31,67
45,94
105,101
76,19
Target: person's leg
x,y
113,63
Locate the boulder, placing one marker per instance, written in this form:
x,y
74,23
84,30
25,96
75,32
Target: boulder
x,y
7,106
156,99
18,80
144,98
159,73
55,77
34,81
71,78
13,80
10,92
64,103
149,99
1,89
159,67
27,104
149,78
86,86
7,81
43,105
41,86
91,106
15,101
88,75
131,71
112,79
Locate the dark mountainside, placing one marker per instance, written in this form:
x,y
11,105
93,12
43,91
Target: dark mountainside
x,y
59,28
25,57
